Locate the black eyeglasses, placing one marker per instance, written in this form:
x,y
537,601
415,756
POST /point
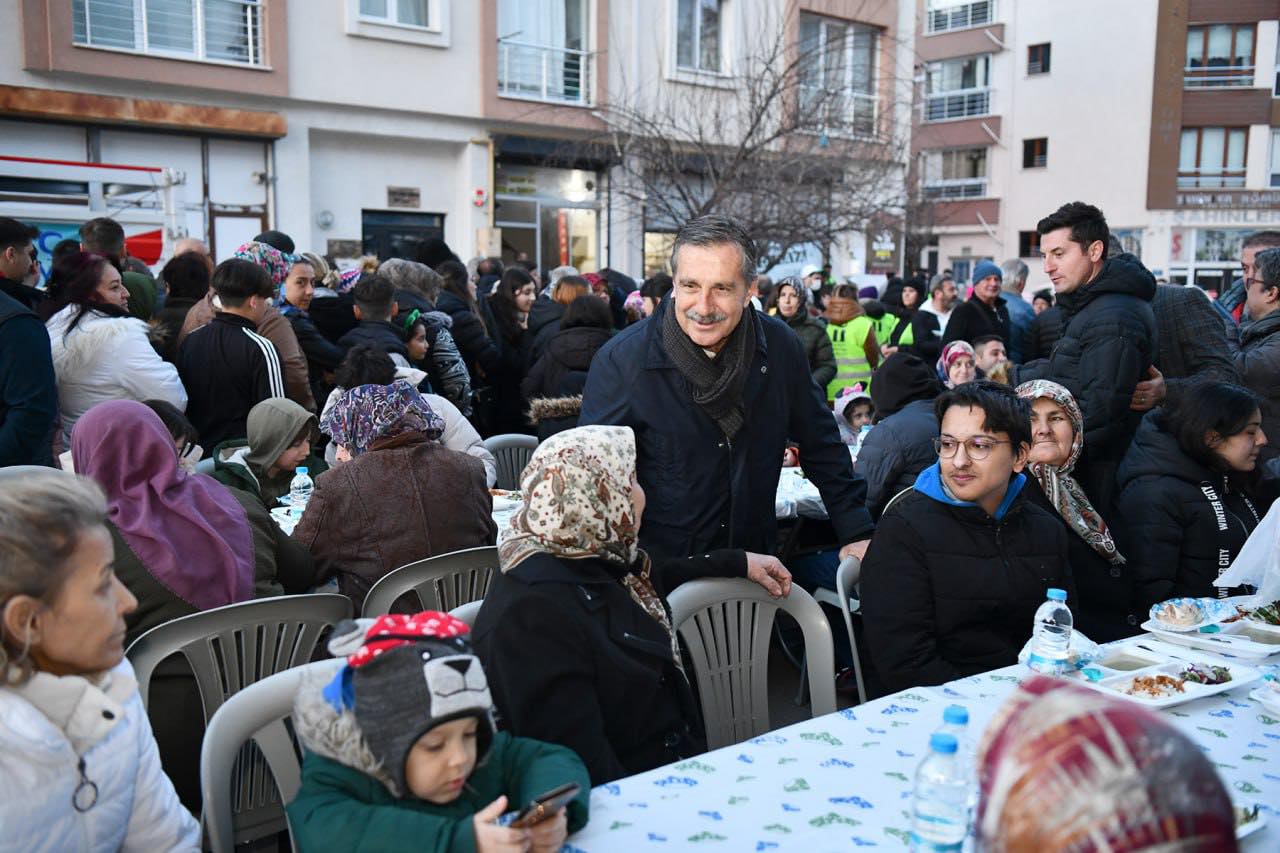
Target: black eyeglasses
x,y
976,449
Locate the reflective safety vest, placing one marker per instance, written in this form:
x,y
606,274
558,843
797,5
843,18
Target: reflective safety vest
x,y
884,328
849,343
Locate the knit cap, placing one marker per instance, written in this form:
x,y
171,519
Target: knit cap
x,y
986,268
406,675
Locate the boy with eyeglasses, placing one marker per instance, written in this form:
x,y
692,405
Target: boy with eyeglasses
x,y
958,565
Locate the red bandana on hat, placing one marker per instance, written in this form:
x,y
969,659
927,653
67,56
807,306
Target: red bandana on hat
x,y
398,629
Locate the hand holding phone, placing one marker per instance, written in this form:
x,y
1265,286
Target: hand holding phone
x,y
545,806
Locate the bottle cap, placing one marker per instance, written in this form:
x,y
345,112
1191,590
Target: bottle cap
x,y
1057,594
943,743
302,469
957,715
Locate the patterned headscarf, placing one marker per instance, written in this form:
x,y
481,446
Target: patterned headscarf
x,y
577,506
950,353
347,279
367,413
1063,767
275,262
1056,480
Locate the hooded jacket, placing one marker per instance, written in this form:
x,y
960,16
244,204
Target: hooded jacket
x,y
347,802
901,444
813,336
1106,347
1179,523
1258,363
28,386
107,358
102,723
273,425
949,591
555,382
481,354
544,322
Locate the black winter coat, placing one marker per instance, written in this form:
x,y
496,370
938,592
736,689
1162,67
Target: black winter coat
x,y
573,660
1180,524
479,351
895,451
562,373
926,332
1046,331
947,591
706,492
544,322
973,318
168,325
1103,612
333,315
378,333
1105,350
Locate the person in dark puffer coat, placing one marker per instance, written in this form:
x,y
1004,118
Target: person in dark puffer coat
x,y
1185,508
958,566
548,311
792,296
1108,344
555,382
900,445
474,341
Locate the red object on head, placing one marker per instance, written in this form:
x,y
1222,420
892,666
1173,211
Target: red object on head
x,y
398,629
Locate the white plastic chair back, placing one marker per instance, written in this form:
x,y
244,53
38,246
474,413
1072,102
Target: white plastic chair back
x,y
726,624
467,612
442,582
256,713
229,649
511,451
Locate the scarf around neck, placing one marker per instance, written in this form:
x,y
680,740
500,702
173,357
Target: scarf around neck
x,y
1059,486
716,383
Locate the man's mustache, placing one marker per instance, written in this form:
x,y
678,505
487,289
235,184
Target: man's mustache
x,y
713,317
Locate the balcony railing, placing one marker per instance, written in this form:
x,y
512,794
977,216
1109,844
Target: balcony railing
x,y
959,17
960,103
956,188
541,73
1221,179
1222,76
843,113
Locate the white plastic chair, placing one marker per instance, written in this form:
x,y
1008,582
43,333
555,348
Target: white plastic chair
x,y
726,624
511,451
843,599
442,582
467,612
256,713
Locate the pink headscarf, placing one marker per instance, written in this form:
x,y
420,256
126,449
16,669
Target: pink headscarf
x,y
187,529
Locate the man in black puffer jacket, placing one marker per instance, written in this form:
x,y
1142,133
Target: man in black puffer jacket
x,y
959,565
1109,341
900,445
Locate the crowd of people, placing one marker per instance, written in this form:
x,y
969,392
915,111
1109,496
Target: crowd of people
x,y
1107,437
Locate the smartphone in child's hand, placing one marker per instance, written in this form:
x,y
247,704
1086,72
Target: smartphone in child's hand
x,y
546,806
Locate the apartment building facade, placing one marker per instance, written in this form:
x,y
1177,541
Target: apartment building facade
x,y
1164,113
363,126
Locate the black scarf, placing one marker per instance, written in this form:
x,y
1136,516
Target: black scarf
x,y
717,383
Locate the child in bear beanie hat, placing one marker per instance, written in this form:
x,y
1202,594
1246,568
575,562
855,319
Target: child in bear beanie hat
x,y
401,743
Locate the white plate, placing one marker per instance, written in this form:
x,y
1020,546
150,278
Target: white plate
x,y
1252,826
1268,696
1229,640
501,504
1116,685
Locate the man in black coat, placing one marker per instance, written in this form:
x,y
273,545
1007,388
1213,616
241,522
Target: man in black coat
x,y
375,305
959,565
1109,341
713,392
1258,361
900,445
985,313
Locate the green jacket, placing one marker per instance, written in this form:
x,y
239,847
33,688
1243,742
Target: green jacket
x,y
817,346
230,468
142,294
341,808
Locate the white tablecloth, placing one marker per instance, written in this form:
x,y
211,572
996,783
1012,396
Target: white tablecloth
x,y
844,780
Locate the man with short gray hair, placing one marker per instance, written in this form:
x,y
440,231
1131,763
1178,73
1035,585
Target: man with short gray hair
x,y
1021,314
714,390
1258,361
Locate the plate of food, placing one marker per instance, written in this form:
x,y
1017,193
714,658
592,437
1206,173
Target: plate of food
x,y
1267,694
1249,819
1177,681
1189,614
1240,639
505,500
1264,619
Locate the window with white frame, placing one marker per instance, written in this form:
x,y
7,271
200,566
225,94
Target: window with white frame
x,y
944,15
542,50
955,173
698,35
1212,157
838,73
207,30
957,88
404,13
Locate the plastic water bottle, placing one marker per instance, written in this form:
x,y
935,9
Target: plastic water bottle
x,y
940,810
955,722
300,488
1051,640
862,434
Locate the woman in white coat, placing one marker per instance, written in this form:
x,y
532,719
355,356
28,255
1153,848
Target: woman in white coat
x,y
79,768
99,352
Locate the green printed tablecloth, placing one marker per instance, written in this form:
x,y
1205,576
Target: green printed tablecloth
x,y
844,780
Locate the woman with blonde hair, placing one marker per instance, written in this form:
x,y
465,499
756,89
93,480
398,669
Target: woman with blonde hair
x,y
79,768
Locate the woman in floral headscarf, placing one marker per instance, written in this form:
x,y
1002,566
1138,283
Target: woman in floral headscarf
x,y
401,497
575,634
958,364
1057,433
